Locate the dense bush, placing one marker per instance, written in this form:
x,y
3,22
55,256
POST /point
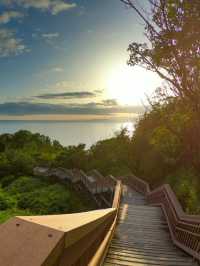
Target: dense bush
x,y
162,149
112,156
186,185
6,201
50,200
166,140
7,180
26,195
165,148
23,194
24,184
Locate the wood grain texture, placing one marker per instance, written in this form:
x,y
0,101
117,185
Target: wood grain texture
x,y
142,237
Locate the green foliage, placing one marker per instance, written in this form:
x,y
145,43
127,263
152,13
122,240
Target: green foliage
x,y
185,184
24,184
112,156
4,164
7,180
9,213
72,157
23,194
26,195
164,141
172,50
6,201
167,137
21,161
53,199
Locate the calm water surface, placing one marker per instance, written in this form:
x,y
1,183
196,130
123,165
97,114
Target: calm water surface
x,y
69,133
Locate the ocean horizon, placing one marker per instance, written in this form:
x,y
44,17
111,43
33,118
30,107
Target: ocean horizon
x,y
69,132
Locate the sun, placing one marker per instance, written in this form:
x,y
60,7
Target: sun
x,y
121,85
130,85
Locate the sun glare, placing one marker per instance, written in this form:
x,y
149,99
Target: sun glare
x,y
130,85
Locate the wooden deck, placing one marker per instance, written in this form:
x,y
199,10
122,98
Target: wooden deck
x,y
142,237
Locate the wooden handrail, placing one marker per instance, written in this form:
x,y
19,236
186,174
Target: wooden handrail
x,y
84,238
184,228
99,256
54,239
49,240
138,184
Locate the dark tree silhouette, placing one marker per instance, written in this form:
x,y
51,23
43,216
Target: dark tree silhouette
x,y
173,50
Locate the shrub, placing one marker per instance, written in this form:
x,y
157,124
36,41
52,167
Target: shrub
x,y
6,201
24,184
50,200
185,185
7,180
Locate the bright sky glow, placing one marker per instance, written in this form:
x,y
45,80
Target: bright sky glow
x,y
131,86
68,58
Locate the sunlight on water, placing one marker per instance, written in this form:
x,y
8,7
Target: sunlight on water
x,y
69,133
129,126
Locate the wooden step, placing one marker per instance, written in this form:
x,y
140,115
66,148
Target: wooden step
x,y
149,256
142,236
148,251
124,260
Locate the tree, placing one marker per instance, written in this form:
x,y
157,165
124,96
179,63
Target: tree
x,y
173,49
72,157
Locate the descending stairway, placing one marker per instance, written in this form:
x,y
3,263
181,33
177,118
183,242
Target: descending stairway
x,y
142,237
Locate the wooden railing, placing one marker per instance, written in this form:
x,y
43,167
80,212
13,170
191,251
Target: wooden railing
x,y
78,239
184,228
83,239
137,183
99,256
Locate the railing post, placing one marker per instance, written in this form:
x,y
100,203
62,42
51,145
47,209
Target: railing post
x,y
183,228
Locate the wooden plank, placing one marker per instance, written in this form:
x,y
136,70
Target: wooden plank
x,y
173,249
142,237
128,260
160,257
149,252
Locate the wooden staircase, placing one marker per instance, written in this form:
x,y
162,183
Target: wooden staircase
x,y
144,228
142,237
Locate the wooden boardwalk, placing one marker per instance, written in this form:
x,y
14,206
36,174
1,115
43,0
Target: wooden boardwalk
x,y
142,237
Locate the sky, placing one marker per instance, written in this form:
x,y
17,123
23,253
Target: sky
x,y
67,59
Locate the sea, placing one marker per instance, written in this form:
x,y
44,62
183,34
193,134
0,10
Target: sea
x,y
70,132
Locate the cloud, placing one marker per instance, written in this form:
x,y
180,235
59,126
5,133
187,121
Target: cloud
x,y
50,36
64,85
10,44
27,108
57,69
70,85
61,6
7,16
109,102
53,6
67,95
99,91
